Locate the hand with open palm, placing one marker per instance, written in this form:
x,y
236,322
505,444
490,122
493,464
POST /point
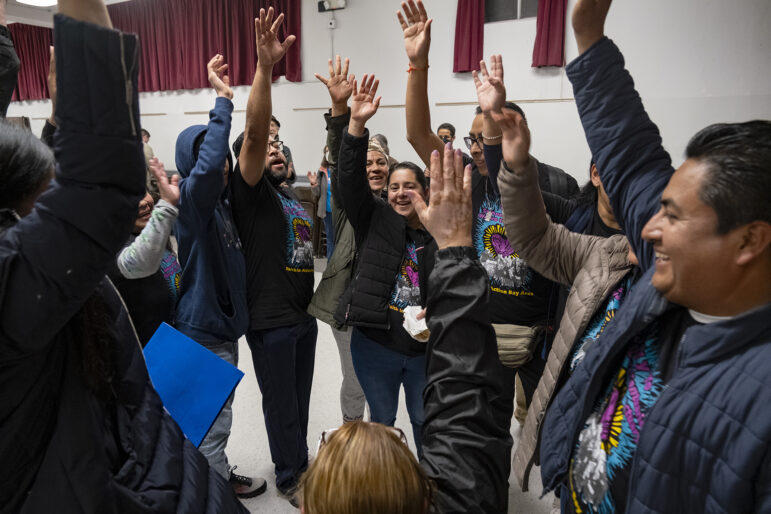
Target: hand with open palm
x,y
339,83
491,92
364,104
269,49
417,32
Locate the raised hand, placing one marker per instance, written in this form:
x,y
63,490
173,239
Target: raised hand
x,y
364,105
52,84
589,22
313,179
269,49
417,32
491,92
169,187
448,217
339,84
516,138
216,73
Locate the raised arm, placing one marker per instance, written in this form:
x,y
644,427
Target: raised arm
x,y
464,433
143,256
358,201
201,190
625,143
259,107
340,88
47,136
417,41
9,63
549,248
87,214
491,95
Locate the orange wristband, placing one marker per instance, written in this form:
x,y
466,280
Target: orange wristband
x,y
413,68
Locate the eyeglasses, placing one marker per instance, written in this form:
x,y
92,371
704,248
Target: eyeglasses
x,y
469,140
326,433
278,145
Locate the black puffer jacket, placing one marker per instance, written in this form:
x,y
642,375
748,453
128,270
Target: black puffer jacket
x,y
380,239
466,440
81,428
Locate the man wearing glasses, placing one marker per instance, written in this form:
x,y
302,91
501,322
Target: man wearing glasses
x,y
275,231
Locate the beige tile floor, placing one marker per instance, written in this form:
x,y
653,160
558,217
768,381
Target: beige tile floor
x,y
248,445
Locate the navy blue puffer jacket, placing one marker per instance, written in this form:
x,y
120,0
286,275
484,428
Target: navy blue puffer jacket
x,y
706,442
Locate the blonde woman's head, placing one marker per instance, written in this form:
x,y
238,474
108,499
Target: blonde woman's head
x,y
365,468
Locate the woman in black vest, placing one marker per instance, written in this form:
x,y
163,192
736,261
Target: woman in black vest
x,y
393,263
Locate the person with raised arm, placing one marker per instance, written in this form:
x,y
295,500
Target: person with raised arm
x,y
599,272
395,257
339,270
82,428
276,232
212,307
147,273
668,412
367,467
522,313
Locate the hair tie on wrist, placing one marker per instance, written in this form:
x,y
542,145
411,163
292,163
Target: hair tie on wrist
x,y
492,138
413,68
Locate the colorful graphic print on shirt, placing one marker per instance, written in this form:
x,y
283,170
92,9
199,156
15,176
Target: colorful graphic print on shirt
x,y
609,439
171,273
508,273
599,321
406,290
299,248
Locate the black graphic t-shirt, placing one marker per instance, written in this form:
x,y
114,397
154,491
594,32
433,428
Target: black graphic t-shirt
x,y
275,232
405,293
518,295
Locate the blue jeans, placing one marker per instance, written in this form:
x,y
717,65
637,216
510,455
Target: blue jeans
x,y
213,445
381,371
283,362
329,230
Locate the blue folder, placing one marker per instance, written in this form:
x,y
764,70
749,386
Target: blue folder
x,y
193,382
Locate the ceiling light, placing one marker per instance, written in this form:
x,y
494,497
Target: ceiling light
x,y
38,3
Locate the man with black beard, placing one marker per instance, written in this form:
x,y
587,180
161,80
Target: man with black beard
x,y
275,232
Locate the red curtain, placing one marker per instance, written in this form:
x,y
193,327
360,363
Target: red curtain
x,y
32,44
177,38
549,48
469,35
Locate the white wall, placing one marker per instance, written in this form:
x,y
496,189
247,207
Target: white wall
x,y
695,62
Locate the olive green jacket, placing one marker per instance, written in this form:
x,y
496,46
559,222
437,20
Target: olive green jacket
x,y
337,276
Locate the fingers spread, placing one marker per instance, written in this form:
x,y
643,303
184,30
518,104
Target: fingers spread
x,y
402,22
325,81
422,9
288,41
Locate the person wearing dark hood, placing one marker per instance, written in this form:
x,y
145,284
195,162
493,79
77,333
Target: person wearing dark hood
x,y
212,305
276,232
81,427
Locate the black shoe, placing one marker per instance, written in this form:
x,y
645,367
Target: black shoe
x,y
290,495
246,487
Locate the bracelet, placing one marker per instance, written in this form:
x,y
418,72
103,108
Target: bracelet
x,y
413,68
492,138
